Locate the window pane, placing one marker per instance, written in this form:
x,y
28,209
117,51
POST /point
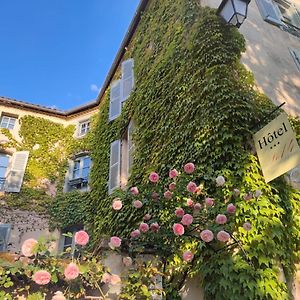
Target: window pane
x,y
85,172
86,162
4,160
114,179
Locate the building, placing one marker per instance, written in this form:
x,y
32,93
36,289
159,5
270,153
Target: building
x,y
275,69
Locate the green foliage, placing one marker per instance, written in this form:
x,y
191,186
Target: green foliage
x,y
194,101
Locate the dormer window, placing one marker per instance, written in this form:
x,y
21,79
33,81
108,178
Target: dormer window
x,y
8,122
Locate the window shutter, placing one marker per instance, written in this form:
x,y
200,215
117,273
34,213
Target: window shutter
x,y
127,78
296,56
269,11
293,16
4,236
114,166
115,100
15,176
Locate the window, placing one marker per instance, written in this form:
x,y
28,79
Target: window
x,y
84,128
121,160
4,163
296,56
8,122
4,236
67,240
120,89
288,13
79,172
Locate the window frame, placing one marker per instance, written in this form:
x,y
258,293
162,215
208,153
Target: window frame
x,y
79,182
80,125
10,118
6,242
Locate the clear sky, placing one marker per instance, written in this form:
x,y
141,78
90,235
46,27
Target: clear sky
x,y
57,53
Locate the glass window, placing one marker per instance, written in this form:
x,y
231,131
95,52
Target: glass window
x,y
7,122
80,172
4,162
84,127
76,169
4,236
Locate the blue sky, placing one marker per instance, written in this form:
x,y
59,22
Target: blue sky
x,y
57,53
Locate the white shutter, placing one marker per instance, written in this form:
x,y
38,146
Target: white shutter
x,y
4,236
15,176
115,100
114,166
269,11
127,78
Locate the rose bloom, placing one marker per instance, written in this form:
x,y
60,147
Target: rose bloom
x,y
155,196
247,226
28,247
154,227
147,217
179,212
248,196
58,296
106,278
137,204
144,227
135,233
231,208
41,277
220,180
127,261
172,186
168,195
191,187
187,220
236,192
71,271
178,229
117,204
115,279
197,206
223,236
206,235
190,202
189,168
81,238
188,256
134,190
258,193
115,241
221,219
173,173
154,177
209,201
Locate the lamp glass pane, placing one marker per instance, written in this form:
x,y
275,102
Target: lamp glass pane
x,y
227,12
240,7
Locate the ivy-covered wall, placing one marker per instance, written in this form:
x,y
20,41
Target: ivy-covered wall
x,y
194,101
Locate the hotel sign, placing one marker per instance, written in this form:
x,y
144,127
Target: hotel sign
x,y
277,148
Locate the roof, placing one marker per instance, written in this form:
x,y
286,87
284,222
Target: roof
x,y
94,103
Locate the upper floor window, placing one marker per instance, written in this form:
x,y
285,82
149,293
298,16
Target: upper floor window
x,y
4,236
79,171
8,122
84,127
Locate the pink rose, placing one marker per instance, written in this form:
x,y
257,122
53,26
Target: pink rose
x,y
220,181
28,247
223,236
209,202
248,196
190,202
135,233
81,238
58,296
187,220
191,187
188,256
154,227
155,196
106,278
178,229
115,241
154,177
147,217
137,204
173,173
172,186
115,279
134,190
71,271
231,208
127,261
247,226
179,212
189,168
144,227
197,206
221,219
236,192
206,235
117,204
168,195
41,277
